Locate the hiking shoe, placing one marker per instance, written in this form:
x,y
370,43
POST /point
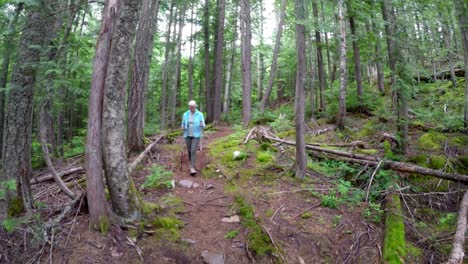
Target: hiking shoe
x,y
193,171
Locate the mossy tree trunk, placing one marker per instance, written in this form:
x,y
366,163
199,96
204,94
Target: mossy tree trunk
x,y
394,249
125,201
16,151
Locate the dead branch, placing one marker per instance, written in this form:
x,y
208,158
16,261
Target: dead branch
x,y
140,157
308,209
456,256
247,138
372,178
49,177
387,164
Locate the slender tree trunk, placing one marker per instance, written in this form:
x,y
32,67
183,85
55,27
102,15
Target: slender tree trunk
x,y
326,43
177,67
357,57
218,65
260,60
246,32
98,209
301,161
227,90
8,46
274,60
462,13
321,70
124,196
18,119
340,122
378,57
192,52
165,72
206,38
140,74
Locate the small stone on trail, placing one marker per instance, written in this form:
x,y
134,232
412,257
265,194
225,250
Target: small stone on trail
x,y
238,244
187,184
212,258
189,241
232,219
209,187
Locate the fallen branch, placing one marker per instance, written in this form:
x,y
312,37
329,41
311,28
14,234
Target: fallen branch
x,y
457,254
371,179
248,135
49,177
387,164
142,156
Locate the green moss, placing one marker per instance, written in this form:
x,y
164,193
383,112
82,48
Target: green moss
x,y
149,208
306,215
415,254
171,202
459,141
421,160
437,162
287,134
367,151
431,141
268,212
15,207
394,250
168,223
264,156
230,188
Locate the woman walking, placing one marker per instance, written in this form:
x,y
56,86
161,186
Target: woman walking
x,y
192,123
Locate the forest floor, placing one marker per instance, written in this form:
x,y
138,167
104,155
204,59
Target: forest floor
x,y
234,212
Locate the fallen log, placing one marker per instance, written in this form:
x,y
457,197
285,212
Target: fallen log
x,y
142,155
386,164
49,177
457,254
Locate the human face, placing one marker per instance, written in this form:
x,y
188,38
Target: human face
x,y
192,108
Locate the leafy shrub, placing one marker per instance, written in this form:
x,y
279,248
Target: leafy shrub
x,y
158,177
373,212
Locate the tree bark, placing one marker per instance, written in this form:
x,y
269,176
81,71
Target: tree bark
x,y
8,45
274,60
227,90
192,49
462,10
98,209
321,70
326,43
176,86
218,65
301,161
356,55
18,119
140,74
458,252
206,38
340,120
165,71
125,200
246,32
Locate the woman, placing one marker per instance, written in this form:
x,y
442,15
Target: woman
x,y
192,123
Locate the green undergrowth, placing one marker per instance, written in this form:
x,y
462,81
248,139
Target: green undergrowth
x,y
258,241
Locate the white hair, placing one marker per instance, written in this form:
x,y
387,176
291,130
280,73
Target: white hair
x,y
192,103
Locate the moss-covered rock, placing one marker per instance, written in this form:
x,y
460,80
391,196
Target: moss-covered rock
x,y
431,141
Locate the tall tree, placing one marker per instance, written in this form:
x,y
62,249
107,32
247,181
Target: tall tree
x,y
8,45
356,54
260,59
98,209
340,122
124,197
218,64
192,49
246,61
165,70
176,85
301,161
274,60
16,151
206,39
229,73
140,73
462,13
321,70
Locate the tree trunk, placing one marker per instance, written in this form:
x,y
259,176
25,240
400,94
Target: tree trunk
x,y
260,59
177,67
227,90
274,60
246,32
378,57
462,13
321,70
357,57
340,120
192,49
140,74
124,197
18,119
326,43
301,162
458,252
98,209
165,71
8,46
206,38
218,65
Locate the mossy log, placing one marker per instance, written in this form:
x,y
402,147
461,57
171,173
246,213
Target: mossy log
x,y
457,254
394,248
370,160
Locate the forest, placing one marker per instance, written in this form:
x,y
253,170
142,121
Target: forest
x,y
334,131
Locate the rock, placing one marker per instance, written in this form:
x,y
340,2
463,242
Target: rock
x,y
209,187
232,219
238,244
212,258
187,184
189,241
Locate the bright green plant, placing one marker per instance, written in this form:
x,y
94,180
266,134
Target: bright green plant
x,y
232,234
373,212
8,185
330,200
158,177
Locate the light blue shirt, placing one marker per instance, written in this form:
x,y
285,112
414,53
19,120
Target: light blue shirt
x,y
198,123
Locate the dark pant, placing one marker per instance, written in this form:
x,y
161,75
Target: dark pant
x,y
192,144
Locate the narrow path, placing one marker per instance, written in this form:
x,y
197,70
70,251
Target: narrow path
x,y
207,205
